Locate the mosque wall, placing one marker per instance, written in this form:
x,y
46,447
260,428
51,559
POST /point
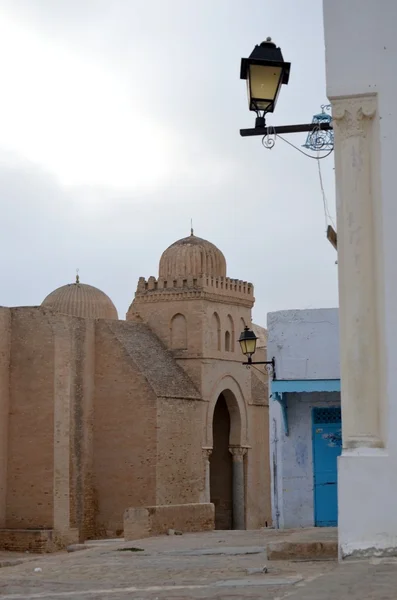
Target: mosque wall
x,y
222,326
125,438
258,499
5,349
161,319
180,467
31,421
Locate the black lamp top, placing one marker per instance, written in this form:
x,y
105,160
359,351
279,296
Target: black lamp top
x,y
266,54
247,334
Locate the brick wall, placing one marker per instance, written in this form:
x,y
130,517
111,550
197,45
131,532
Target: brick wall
x,y
258,501
180,469
31,421
124,434
5,348
156,520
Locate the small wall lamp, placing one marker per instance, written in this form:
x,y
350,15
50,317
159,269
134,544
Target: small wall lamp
x,y
247,341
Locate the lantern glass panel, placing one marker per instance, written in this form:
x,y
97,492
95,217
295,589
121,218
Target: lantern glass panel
x,y
250,346
263,85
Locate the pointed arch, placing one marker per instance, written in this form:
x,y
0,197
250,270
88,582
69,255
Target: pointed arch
x,y
215,331
231,390
229,335
178,332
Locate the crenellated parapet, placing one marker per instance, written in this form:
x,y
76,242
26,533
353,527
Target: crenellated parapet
x,y
224,289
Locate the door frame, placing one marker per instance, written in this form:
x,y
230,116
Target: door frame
x,y
313,411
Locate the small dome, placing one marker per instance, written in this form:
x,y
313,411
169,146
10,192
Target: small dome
x,y
192,256
81,300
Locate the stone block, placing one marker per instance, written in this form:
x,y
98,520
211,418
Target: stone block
x,y
136,523
157,520
32,540
309,550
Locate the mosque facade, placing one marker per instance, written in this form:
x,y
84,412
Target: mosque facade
x,y
99,415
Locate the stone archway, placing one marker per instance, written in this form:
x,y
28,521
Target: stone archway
x,y
226,466
221,475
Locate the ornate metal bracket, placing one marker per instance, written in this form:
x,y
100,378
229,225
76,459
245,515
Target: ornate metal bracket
x,y
270,365
320,132
320,139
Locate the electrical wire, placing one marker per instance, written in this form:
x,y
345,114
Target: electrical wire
x,y
327,215
269,140
301,151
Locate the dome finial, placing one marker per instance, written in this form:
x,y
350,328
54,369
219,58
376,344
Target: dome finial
x,y
77,276
191,227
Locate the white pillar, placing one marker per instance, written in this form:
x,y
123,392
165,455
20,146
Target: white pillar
x,y
207,486
238,453
356,213
361,53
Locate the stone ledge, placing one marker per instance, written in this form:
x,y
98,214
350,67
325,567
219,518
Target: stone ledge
x,y
157,520
39,541
33,540
309,550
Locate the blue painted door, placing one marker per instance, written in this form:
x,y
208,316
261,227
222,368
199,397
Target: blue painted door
x,y
327,446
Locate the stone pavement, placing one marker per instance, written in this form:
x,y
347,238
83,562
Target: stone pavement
x,y
216,565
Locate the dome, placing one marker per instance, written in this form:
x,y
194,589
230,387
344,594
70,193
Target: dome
x,y
192,256
81,300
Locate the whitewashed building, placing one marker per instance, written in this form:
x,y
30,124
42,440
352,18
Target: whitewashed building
x,y
305,417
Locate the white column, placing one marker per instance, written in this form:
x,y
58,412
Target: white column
x,y
207,486
363,464
357,242
361,54
238,453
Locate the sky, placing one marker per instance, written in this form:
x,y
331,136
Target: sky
x,y
119,123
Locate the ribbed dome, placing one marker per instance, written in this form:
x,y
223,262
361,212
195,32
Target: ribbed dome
x,y
192,256
81,300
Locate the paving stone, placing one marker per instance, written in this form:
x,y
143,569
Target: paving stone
x,y
186,568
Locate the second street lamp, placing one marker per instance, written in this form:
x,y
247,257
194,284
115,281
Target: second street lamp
x,y
247,341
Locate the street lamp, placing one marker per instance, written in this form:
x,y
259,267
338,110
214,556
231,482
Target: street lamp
x,y
265,71
247,341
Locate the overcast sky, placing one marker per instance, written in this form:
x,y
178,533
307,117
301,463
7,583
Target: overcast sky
x,y
119,122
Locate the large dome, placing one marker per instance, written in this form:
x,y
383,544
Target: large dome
x,y
192,256
81,300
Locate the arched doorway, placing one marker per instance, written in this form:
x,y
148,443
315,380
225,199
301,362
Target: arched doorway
x,y
227,490
221,474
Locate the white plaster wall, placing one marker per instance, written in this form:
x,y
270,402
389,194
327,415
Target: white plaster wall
x,y
294,495
361,57
305,343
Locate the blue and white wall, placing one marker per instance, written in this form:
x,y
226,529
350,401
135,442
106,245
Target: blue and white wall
x,y
305,344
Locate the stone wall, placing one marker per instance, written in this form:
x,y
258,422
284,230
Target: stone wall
x,y
257,463
5,349
125,437
180,470
30,480
156,520
37,541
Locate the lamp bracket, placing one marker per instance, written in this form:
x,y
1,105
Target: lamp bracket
x,y
270,365
301,128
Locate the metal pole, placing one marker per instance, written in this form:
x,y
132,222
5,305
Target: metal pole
x,y
306,127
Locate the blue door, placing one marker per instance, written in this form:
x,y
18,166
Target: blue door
x,y
327,446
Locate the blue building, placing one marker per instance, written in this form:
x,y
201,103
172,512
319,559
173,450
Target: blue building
x,y
304,417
